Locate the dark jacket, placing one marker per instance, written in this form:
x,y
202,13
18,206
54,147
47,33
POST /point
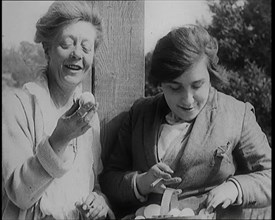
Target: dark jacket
x,y
225,141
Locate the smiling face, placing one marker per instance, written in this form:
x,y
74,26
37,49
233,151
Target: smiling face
x,y
71,55
187,94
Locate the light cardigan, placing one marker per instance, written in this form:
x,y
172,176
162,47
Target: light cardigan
x,y
36,181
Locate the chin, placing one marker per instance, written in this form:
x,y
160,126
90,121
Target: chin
x,y
74,80
189,117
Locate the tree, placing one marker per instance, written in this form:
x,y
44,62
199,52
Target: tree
x,y
243,30
22,63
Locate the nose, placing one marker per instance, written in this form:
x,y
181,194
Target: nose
x,y
76,52
187,98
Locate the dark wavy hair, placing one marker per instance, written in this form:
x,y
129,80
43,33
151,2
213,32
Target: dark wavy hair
x,y
179,50
62,13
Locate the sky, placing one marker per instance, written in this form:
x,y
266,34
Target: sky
x,y
162,16
19,19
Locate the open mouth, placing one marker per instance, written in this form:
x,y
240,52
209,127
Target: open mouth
x,y
73,67
186,109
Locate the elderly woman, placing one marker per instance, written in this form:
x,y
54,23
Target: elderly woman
x,y
51,146
191,137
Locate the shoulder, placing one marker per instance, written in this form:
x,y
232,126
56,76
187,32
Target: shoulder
x,y
16,107
147,103
19,102
232,106
227,103
12,98
145,106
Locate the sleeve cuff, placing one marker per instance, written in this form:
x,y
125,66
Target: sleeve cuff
x,y
239,199
50,161
137,194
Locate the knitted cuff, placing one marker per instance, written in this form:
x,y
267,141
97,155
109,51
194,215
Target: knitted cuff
x,y
50,161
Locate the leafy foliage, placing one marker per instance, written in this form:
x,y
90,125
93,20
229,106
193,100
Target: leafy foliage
x,y
21,65
252,85
243,30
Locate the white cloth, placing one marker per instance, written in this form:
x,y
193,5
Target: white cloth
x,y
239,199
140,197
170,142
59,198
172,135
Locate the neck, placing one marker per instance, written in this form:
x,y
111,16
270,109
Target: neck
x,y
62,96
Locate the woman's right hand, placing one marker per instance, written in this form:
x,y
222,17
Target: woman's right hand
x,y
72,124
160,170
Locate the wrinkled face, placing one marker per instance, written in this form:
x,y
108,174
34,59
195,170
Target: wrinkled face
x,y
187,94
71,55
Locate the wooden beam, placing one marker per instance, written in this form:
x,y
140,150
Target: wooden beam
x,y
119,64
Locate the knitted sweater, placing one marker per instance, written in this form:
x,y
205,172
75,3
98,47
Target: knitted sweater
x,y
36,181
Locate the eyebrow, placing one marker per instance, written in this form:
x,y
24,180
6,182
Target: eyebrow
x,y
178,83
73,37
173,82
198,81
87,41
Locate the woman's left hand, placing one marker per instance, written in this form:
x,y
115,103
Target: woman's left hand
x,y
94,207
224,194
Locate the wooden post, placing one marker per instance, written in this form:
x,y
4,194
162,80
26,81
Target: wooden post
x,y
119,64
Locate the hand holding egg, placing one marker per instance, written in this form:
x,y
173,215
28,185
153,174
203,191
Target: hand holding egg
x,y
87,107
74,122
86,102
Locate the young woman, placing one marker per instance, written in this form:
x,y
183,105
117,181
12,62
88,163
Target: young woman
x,y
191,137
